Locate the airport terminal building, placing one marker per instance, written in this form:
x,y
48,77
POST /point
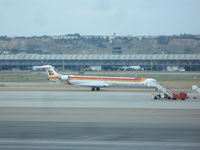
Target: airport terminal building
x,y
191,62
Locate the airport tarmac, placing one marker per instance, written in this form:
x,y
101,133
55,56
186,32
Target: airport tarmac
x,y
114,118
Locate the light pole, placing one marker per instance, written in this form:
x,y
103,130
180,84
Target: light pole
x,y
63,67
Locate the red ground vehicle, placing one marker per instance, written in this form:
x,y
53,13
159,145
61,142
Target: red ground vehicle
x,y
181,95
164,93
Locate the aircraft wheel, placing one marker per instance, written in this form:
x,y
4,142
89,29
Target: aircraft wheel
x,y
93,89
98,89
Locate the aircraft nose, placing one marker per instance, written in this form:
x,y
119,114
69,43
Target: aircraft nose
x,y
152,80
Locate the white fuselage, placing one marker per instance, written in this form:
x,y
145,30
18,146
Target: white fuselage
x,y
92,81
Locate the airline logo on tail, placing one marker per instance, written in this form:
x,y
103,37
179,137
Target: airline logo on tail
x,y
51,73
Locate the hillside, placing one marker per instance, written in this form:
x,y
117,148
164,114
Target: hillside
x,y
78,44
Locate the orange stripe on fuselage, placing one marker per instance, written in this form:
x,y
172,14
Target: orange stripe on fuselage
x,y
109,79
56,77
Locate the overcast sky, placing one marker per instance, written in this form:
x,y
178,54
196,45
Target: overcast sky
x,y
99,17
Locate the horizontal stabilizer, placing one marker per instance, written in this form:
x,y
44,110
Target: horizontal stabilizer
x,y
42,67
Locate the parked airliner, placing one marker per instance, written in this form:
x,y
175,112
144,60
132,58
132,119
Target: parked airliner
x,y
128,68
97,82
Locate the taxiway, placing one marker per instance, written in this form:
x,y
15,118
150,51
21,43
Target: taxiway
x,y
76,118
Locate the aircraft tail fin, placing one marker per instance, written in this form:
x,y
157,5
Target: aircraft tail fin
x,y
52,74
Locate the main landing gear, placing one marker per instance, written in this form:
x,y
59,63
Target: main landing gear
x,y
95,89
